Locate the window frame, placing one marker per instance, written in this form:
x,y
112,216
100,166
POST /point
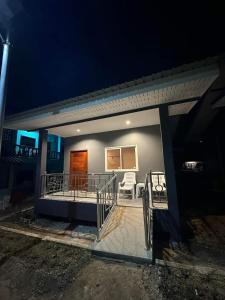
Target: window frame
x,y
120,169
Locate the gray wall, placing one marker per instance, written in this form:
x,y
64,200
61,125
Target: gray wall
x,y
147,139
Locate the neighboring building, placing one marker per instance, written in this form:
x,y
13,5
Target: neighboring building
x,y
20,150
125,128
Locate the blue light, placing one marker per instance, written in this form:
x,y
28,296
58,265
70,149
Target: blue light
x,y
30,134
59,143
35,135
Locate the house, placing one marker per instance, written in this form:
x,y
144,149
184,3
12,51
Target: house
x,y
125,128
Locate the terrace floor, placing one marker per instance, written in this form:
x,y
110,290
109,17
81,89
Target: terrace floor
x,y
89,197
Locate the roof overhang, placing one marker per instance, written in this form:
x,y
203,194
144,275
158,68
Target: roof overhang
x,y
180,88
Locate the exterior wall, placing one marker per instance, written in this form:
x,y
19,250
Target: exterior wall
x,y
147,139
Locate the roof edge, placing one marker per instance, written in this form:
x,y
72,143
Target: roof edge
x,y
121,88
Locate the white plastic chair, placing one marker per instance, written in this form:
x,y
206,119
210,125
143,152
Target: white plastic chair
x,y
128,184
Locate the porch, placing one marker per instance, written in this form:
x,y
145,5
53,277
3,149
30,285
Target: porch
x,y
61,191
120,222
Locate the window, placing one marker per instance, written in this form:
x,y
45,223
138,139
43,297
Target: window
x,y
123,158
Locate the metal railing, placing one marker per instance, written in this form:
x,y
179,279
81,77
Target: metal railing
x,y
147,215
155,193
10,149
157,187
54,155
13,150
106,202
73,186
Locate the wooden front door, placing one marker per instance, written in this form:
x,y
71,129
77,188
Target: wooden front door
x,y
79,169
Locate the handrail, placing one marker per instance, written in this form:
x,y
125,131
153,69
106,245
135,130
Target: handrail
x,y
147,215
108,183
106,202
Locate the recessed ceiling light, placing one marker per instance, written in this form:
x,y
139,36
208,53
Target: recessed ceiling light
x,y
78,130
128,122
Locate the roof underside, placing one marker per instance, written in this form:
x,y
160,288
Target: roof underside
x,y
136,119
153,91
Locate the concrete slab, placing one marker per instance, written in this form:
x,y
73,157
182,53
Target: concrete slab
x,y
43,223
84,232
130,202
124,234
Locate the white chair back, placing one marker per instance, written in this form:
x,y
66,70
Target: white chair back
x,y
129,178
158,179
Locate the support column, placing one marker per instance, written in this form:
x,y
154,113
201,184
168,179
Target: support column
x,y
41,160
173,222
3,78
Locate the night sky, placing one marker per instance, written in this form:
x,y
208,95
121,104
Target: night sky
x,y
65,48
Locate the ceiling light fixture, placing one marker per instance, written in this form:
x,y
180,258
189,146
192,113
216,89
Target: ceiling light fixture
x,y
128,122
78,130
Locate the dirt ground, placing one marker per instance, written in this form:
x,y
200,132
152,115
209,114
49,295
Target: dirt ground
x,y
204,245
34,269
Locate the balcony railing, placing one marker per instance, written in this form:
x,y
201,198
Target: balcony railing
x,y
23,151
54,155
13,150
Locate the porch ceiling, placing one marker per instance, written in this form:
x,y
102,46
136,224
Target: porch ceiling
x,y
186,82
137,119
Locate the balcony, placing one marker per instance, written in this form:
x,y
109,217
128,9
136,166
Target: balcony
x,y
22,153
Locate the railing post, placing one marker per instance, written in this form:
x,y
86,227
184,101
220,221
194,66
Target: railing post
x,y
98,216
63,182
45,183
146,214
114,189
73,180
